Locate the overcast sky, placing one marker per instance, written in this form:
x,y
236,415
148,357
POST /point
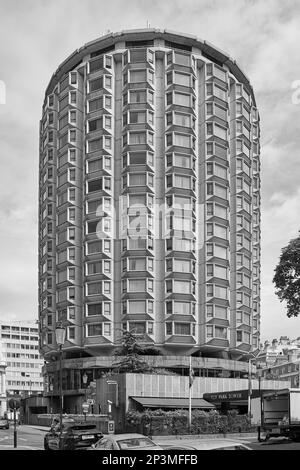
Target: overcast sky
x,y
263,36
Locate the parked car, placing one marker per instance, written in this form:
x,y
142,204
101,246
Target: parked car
x,y
71,436
207,444
4,423
125,442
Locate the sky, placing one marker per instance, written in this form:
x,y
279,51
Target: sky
x,y
263,36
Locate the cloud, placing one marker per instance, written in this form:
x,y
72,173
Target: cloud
x,y
35,36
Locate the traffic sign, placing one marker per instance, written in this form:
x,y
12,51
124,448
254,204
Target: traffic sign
x,y
111,427
14,403
90,401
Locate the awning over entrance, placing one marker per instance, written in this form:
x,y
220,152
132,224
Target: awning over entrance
x,y
232,396
157,402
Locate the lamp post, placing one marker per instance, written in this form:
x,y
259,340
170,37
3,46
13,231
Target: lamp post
x,y
111,422
51,398
259,374
60,335
84,380
250,383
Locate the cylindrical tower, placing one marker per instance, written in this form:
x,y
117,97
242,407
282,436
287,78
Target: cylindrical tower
x,y
149,213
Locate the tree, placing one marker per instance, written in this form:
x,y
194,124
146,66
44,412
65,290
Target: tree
x,y
131,352
287,277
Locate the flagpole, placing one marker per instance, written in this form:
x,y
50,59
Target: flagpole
x,y
190,396
249,387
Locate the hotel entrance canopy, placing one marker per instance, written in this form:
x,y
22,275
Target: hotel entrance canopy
x,y
172,403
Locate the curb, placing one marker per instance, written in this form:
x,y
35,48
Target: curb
x,y
234,436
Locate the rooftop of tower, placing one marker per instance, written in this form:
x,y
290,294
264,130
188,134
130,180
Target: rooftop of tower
x,y
181,40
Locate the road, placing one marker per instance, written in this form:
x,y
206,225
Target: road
x,y
27,438
275,444
272,444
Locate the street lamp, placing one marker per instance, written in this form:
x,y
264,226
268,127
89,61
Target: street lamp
x,y
60,335
51,397
84,380
259,374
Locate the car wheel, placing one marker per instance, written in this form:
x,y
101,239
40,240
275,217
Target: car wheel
x,y
295,437
46,445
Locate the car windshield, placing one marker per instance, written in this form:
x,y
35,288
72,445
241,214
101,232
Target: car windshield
x,y
83,427
135,442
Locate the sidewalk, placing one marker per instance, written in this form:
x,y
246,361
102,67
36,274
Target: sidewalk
x,y
246,436
40,428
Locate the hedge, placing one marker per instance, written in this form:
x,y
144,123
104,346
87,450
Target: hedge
x,y
160,422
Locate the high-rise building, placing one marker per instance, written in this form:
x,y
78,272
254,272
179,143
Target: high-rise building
x,y
19,353
150,199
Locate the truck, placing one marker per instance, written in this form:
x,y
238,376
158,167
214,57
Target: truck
x,y
277,413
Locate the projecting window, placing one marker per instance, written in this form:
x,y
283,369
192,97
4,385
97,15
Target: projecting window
x,y
94,145
95,124
71,332
182,99
209,331
182,329
220,251
94,165
137,264
138,96
94,288
182,79
136,306
94,309
220,332
137,138
94,247
94,268
183,182
94,185
94,329
136,285
138,158
136,76
94,105
137,179
96,84
137,117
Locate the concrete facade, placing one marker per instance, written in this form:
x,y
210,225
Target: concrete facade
x,y
149,212
155,133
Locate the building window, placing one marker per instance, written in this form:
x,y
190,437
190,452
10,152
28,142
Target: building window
x,y
94,329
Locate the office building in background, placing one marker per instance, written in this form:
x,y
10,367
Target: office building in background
x,y
19,353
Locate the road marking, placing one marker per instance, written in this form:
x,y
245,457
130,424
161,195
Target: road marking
x,y
19,447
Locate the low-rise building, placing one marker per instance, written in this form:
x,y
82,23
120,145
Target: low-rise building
x,y
278,351
19,350
288,370
2,388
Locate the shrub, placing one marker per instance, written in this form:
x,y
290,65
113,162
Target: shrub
x,y
177,422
